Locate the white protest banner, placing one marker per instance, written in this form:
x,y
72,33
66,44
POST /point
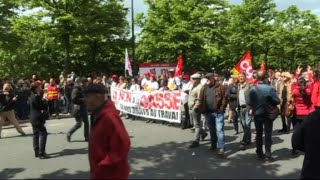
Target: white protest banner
x,y
159,105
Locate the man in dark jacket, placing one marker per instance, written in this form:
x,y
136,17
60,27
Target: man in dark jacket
x,y
306,138
213,102
260,96
109,142
79,108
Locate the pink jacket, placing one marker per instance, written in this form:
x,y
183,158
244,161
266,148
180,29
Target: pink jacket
x,y
315,97
303,107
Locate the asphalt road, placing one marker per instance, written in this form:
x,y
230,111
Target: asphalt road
x,y
158,151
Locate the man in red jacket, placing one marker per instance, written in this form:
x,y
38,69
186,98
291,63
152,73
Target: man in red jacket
x,y
109,142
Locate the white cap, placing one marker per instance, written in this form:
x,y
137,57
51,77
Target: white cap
x,y
196,76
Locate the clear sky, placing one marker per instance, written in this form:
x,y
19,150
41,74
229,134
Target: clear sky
x,y
313,5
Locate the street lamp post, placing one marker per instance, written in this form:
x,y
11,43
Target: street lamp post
x,y
133,41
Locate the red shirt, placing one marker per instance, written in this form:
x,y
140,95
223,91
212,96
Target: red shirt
x,y
303,107
315,97
109,145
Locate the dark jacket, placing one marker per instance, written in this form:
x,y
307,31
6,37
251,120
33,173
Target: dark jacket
x,y
6,102
232,96
109,145
220,102
306,138
77,99
260,95
37,104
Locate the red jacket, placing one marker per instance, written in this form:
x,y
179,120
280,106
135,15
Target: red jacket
x,y
315,97
303,107
109,145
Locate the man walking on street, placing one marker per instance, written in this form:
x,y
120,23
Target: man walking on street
x,y
79,108
195,116
243,108
261,96
213,103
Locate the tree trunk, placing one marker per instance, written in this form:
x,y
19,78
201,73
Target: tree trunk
x,y
67,60
94,50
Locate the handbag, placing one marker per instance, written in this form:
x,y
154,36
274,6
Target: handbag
x,y
289,110
272,111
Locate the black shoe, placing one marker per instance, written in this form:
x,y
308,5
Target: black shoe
x,y
23,133
68,138
194,144
203,136
269,159
294,152
36,154
260,156
283,130
213,147
44,156
242,147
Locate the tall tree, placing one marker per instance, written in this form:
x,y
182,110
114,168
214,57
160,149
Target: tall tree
x,y
189,27
70,19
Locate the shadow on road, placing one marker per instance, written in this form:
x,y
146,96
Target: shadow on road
x,y
69,152
63,174
174,160
9,173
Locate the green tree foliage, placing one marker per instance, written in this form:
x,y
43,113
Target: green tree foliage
x,y
213,33
83,36
45,37
191,27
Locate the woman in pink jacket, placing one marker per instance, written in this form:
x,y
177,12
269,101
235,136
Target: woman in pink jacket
x,y
301,93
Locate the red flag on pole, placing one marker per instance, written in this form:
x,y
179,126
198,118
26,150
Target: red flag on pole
x,y
180,67
245,65
263,66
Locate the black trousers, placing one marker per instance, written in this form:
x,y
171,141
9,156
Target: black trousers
x,y
39,138
80,117
186,123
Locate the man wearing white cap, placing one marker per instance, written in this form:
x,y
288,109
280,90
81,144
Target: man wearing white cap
x,y
195,116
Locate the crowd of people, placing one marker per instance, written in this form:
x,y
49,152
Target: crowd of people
x,y
205,96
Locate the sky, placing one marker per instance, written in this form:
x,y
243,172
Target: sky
x,y
313,5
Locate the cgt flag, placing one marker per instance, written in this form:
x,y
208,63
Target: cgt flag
x,y
127,65
245,65
180,67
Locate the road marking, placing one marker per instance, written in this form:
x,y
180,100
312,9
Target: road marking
x,y
55,124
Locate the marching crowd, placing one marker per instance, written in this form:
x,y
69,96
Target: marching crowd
x,y
205,98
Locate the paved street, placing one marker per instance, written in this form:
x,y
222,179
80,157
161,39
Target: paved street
x,y
158,151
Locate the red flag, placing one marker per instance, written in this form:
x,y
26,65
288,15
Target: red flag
x,y
245,65
263,66
179,68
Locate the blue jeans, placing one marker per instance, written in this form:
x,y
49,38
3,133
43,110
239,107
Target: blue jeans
x,y
216,128
246,124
